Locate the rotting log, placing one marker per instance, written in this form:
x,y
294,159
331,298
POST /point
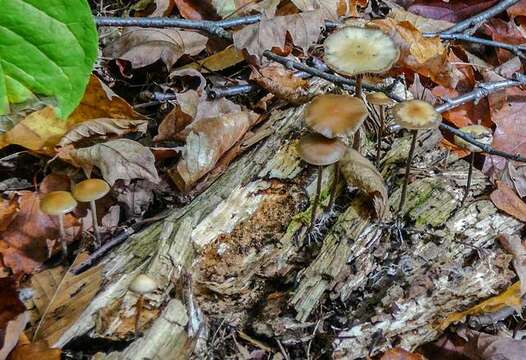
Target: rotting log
x,y
235,256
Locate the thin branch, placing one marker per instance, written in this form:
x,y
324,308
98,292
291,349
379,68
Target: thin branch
x,y
161,22
515,49
481,17
479,92
335,79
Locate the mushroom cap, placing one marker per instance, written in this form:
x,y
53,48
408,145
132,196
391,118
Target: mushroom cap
x,y
57,203
319,150
90,190
478,132
379,98
334,115
416,114
143,284
353,50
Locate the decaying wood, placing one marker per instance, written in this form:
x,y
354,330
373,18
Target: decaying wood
x,y
236,256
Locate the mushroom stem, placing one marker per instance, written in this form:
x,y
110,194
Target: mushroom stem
x,y
470,175
138,306
407,170
98,241
62,231
316,199
380,134
334,185
358,86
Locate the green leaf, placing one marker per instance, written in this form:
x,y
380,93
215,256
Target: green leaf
x,y
47,49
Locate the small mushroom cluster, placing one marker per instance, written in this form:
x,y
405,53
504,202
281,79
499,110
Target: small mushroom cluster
x,y
331,119
59,203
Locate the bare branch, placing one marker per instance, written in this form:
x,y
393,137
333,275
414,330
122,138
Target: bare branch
x,y
515,49
481,17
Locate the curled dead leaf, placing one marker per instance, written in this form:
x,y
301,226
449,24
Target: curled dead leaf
x,y
206,141
401,354
506,199
13,317
117,159
144,46
513,244
102,128
361,173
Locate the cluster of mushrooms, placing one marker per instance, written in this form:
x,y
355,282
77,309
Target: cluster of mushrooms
x,y
332,119
59,203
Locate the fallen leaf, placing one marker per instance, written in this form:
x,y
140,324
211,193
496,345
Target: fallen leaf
x,y
117,159
12,315
102,128
304,29
8,209
276,79
424,55
511,297
513,244
329,7
196,9
134,197
60,298
144,46
39,350
452,11
361,173
483,346
24,243
423,24
507,32
401,354
218,61
206,141
506,200
163,8
192,107
42,130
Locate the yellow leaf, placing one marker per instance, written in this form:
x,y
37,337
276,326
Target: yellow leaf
x,y
42,130
510,297
218,61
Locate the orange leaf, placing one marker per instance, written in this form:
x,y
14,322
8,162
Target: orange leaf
x,y
401,354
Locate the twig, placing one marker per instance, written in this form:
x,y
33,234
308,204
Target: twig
x,y
224,91
160,22
335,79
480,18
479,92
515,49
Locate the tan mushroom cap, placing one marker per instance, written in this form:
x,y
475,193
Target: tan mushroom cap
x,y
90,190
319,150
353,50
57,203
480,133
143,284
416,114
334,115
379,98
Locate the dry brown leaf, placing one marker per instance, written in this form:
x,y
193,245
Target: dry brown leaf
x,y
61,297
41,130
192,107
507,200
25,242
103,128
144,46
13,317
206,141
276,79
218,61
8,209
423,24
513,244
424,55
401,354
511,297
117,159
163,8
39,350
196,9
361,173
304,29
483,346
329,7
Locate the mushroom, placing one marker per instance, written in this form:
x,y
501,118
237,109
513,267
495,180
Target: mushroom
x,y
479,133
354,51
379,101
58,203
318,150
141,285
91,190
414,115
